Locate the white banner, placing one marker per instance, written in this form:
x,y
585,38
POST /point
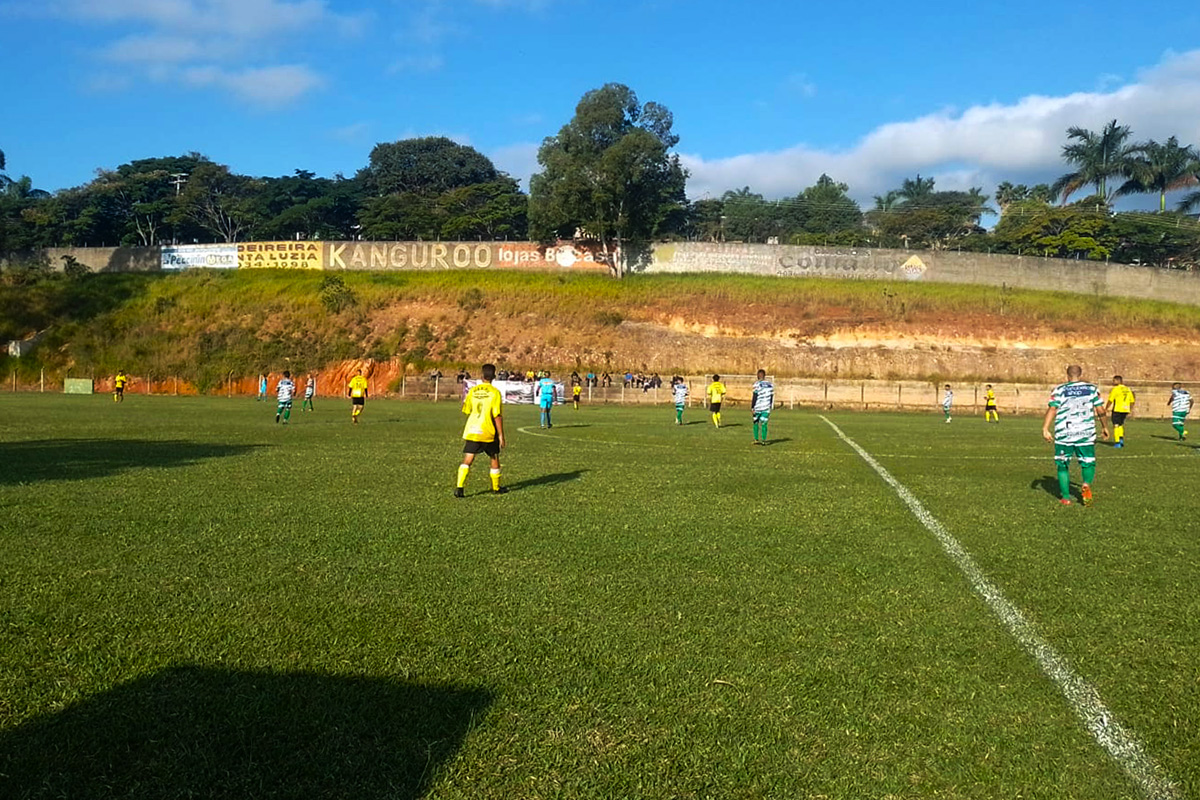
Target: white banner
x,y
517,392
191,256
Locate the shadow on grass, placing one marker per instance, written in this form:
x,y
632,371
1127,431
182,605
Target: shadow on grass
x,y
217,733
777,441
1049,484
78,459
547,480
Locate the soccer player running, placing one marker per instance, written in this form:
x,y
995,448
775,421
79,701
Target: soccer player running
x,y
547,394
716,393
310,390
1120,405
285,390
358,395
484,432
762,400
1074,408
119,386
1181,406
679,393
989,405
947,402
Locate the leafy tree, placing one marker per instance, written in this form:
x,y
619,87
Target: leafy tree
x,y
400,216
427,166
1097,157
705,220
220,202
918,215
1059,231
1155,167
1160,240
825,207
493,210
609,174
748,217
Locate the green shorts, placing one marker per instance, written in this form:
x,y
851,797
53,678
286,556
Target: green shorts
x,y
762,416
1177,418
1084,453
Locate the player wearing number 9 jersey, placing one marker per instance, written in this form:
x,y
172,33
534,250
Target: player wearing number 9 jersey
x,y
484,431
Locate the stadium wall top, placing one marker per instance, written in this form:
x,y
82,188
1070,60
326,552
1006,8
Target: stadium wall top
x,y
784,261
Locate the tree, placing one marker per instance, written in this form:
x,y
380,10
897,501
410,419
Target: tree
x,y
1064,231
1155,167
219,201
493,210
748,217
428,166
825,207
609,174
1097,157
915,190
705,220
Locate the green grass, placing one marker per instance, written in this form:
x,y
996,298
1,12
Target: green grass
x,y
195,602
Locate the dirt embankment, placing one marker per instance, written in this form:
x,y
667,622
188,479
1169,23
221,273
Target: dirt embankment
x,y
829,343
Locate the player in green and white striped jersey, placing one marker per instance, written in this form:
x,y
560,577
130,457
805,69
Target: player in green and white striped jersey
x,y
1074,408
762,400
679,393
1181,406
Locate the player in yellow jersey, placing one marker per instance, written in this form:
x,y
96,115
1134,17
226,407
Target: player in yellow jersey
x,y
357,392
989,405
119,386
1120,405
716,393
576,390
484,432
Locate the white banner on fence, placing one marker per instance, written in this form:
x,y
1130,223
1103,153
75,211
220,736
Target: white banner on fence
x,y
517,392
191,256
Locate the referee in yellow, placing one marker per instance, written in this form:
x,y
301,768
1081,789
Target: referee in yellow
x,y
1120,405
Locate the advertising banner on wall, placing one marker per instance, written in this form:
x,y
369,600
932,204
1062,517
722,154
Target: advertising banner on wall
x,y
281,255
192,256
518,392
464,255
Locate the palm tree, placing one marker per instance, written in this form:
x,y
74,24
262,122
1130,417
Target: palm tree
x,y
1155,167
1096,156
887,202
916,189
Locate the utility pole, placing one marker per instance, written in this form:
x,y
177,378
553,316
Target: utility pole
x,y
179,179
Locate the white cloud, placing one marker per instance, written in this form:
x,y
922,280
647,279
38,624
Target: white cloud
x,y
979,146
265,86
233,46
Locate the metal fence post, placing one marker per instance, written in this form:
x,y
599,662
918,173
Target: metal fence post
x,y
436,384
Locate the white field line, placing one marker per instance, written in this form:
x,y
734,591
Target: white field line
x,y
1083,698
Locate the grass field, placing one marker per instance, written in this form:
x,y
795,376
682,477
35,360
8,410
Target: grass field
x,y
196,602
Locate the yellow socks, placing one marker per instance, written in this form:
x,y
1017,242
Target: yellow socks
x,y
463,469
1118,432
495,480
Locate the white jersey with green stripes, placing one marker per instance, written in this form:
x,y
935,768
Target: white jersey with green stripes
x,y
680,393
1181,402
1075,421
764,397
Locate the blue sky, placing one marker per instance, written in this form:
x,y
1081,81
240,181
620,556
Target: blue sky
x,y
767,94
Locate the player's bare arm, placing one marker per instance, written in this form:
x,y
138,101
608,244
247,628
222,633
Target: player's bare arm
x,y
1102,417
1048,424
499,420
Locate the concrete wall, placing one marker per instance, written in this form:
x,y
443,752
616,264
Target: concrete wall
x,y
1024,272
97,259
927,266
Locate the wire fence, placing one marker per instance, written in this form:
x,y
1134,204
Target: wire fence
x,y
863,395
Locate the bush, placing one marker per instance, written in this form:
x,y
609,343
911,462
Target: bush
x,y
335,294
471,300
609,318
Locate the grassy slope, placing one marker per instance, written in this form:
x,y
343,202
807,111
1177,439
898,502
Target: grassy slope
x,y
654,611
203,325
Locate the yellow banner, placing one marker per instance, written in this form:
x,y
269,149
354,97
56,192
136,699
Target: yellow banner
x,y
281,255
